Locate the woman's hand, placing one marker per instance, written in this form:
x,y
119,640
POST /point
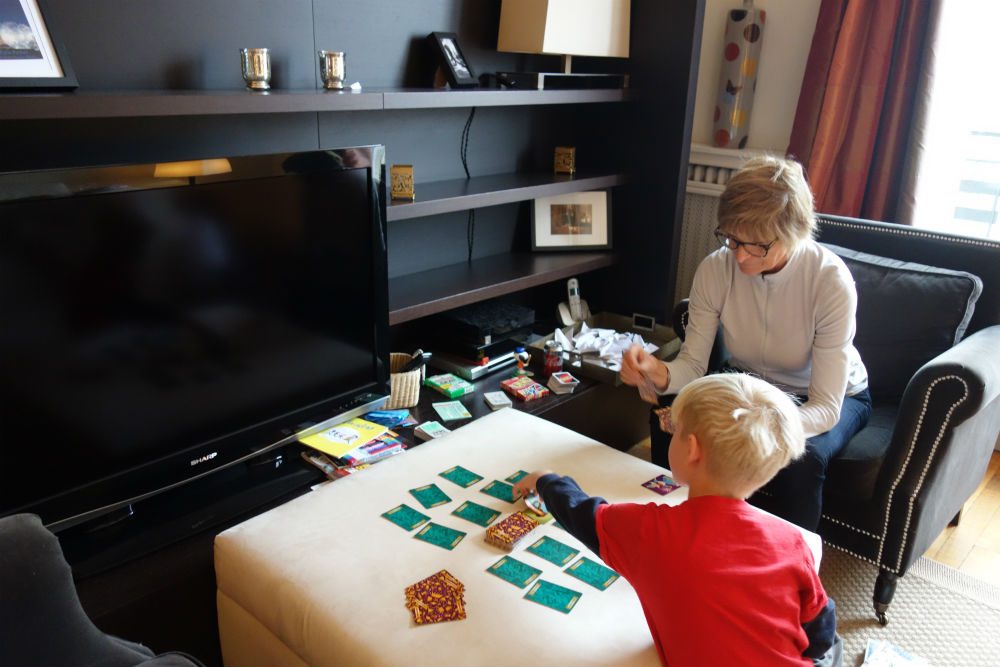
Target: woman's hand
x,y
643,370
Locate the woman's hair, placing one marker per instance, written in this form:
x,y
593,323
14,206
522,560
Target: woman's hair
x,y
768,199
748,428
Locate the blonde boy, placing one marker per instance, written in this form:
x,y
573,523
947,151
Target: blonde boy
x,y
720,582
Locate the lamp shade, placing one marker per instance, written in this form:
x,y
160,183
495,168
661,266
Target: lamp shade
x,y
565,27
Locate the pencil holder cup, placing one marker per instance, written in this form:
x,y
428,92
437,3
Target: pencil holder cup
x,y
404,388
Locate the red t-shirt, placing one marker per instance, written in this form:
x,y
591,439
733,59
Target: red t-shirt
x,y
721,583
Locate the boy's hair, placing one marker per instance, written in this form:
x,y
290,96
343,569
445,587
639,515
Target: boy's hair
x,y
768,199
748,428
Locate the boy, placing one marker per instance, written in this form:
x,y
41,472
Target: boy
x,y
720,582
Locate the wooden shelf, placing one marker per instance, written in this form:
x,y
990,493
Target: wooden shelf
x,y
122,104
417,295
461,193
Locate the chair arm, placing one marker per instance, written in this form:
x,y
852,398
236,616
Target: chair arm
x,y
941,445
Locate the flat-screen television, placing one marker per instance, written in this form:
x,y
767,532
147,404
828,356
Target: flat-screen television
x,y
162,322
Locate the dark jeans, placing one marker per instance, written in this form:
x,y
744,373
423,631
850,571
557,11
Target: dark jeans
x,y
796,492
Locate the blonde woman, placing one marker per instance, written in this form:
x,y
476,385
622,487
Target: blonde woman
x,y
785,306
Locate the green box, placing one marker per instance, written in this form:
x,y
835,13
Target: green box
x,y
450,385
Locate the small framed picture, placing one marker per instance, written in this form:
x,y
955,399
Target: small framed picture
x,y
31,55
574,221
456,68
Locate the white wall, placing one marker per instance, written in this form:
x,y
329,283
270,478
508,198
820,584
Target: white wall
x,y
788,33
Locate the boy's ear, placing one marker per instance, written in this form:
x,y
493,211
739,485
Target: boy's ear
x,y
695,451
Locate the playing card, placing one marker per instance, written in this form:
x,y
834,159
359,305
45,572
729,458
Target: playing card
x,y
514,571
406,517
451,410
430,496
661,484
509,531
441,536
477,514
517,477
461,476
439,597
553,551
590,572
501,490
553,595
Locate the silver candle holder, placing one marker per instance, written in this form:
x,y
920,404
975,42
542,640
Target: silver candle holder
x,y
256,66
332,69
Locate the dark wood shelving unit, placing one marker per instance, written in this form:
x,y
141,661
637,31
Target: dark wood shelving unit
x,y
465,193
417,295
151,103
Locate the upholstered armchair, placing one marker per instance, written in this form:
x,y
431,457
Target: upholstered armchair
x,y
929,333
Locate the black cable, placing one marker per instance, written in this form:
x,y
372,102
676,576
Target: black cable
x,y
470,227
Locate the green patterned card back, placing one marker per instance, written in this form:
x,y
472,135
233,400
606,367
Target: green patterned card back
x,y
461,476
514,571
517,477
593,573
553,595
477,514
501,490
430,496
553,551
441,536
406,517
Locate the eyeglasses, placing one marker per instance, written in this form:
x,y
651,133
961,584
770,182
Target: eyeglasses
x,y
752,249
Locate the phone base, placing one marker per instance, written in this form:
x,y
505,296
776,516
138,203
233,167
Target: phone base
x,y
566,319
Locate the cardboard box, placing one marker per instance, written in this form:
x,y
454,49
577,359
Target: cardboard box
x,y
594,368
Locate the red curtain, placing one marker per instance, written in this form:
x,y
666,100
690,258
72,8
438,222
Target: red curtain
x,y
857,113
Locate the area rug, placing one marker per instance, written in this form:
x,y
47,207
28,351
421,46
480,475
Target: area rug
x,y
939,614
948,618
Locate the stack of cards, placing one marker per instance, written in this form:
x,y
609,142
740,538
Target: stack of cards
x,y
507,533
562,383
430,430
662,484
439,597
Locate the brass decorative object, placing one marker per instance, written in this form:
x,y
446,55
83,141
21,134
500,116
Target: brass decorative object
x,y
565,160
401,180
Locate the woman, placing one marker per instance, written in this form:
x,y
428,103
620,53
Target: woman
x,y
786,309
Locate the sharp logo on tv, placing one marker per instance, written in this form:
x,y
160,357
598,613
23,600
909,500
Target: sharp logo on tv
x,y
203,459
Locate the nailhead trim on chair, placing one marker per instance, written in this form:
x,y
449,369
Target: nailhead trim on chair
x,y
909,231
906,463
867,560
854,528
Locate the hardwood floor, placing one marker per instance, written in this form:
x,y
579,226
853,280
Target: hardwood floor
x,y
973,547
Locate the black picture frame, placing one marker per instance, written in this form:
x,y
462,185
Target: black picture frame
x,y
593,232
41,63
451,59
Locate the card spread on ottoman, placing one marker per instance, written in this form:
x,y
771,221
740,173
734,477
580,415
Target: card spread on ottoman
x,y
500,490
406,517
461,476
593,573
439,597
476,513
508,532
514,571
553,595
553,551
441,536
430,496
517,476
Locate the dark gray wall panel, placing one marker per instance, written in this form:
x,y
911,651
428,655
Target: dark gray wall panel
x,y
115,44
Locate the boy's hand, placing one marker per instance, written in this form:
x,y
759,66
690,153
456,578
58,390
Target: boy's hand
x,y
526,486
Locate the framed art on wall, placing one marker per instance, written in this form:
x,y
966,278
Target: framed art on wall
x,y
573,221
31,56
451,59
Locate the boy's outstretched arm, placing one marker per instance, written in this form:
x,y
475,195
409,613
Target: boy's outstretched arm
x,y
566,501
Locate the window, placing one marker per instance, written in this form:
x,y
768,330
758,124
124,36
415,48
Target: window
x,y
958,184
